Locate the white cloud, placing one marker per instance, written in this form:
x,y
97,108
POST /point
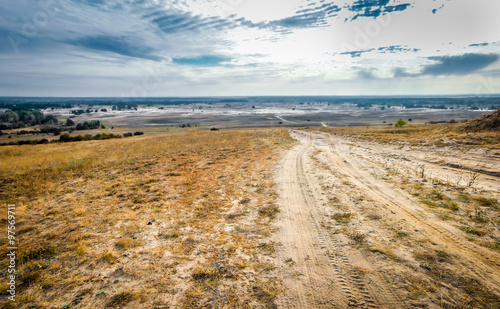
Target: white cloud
x,y
273,47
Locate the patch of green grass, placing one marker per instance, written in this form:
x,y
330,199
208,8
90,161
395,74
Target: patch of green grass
x,y
174,233
428,202
484,201
446,217
436,199
494,245
450,205
269,210
342,217
473,230
436,195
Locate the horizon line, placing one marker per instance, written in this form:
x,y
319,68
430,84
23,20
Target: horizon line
x,y
250,96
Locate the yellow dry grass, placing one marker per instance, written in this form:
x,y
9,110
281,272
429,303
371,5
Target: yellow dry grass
x,y
143,222
429,134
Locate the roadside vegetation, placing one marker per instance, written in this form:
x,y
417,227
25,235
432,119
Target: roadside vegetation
x,y
454,200
481,132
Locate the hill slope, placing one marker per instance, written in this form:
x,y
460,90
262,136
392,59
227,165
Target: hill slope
x,y
489,122
177,220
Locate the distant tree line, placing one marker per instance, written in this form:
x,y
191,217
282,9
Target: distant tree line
x,y
57,130
15,119
15,105
87,137
65,138
433,102
87,125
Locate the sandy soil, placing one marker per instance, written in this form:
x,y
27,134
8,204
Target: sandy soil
x,y
352,237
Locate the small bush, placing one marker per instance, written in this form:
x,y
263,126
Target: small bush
x,y
269,210
400,123
342,217
358,237
473,230
484,201
120,299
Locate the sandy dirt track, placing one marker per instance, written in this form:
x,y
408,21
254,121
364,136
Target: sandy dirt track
x,y
330,264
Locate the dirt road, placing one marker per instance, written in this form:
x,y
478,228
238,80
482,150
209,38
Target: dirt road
x,y
350,237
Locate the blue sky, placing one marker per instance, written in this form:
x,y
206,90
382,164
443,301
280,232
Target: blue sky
x,y
152,48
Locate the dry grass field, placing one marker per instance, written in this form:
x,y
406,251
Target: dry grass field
x,y
366,217
168,221
423,135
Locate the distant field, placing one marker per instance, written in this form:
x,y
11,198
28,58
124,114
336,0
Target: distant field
x,y
157,118
271,115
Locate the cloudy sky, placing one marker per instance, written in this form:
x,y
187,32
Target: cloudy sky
x,y
151,48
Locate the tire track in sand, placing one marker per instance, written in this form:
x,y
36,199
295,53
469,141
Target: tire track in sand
x,y
480,261
320,269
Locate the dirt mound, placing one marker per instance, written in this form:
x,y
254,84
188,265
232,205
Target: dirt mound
x,y
489,122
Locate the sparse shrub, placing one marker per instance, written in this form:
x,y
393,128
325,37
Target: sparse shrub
x,y
80,249
358,237
269,210
443,256
342,217
450,205
473,230
120,244
174,233
266,291
138,133
43,250
438,199
120,299
484,201
207,273
425,266
245,201
473,177
436,195
109,257
494,245
400,123
78,164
